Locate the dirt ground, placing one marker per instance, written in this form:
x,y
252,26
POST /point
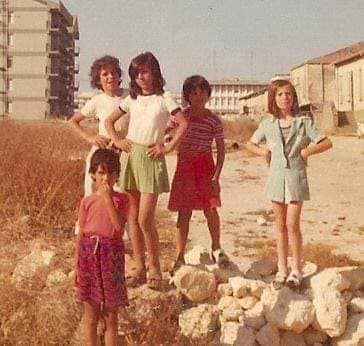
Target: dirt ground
x,y
334,216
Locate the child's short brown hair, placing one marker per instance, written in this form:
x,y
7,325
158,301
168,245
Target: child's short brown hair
x,y
272,91
106,158
194,82
99,64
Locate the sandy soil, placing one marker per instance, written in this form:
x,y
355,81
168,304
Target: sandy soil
x,y
334,216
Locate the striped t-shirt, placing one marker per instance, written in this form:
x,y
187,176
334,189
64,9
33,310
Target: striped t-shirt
x,y
202,129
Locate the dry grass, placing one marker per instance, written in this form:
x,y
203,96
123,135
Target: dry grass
x,y
40,185
239,131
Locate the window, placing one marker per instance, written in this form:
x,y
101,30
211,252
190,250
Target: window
x,y
11,17
11,40
11,85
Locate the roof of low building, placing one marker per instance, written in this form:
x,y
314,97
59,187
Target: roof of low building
x,y
342,54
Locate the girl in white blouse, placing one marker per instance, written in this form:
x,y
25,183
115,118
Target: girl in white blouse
x,y
143,173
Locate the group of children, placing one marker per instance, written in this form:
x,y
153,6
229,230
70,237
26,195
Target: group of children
x,y
134,164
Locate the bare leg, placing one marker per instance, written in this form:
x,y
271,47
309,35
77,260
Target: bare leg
x,y
90,318
293,225
146,220
183,227
111,333
136,235
213,223
280,210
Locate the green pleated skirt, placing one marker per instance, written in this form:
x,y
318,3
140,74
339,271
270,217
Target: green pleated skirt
x,y
140,173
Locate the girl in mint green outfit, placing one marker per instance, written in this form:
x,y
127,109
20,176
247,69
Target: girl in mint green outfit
x,y
290,138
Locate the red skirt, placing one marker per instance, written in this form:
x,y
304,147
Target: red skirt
x,y
191,185
101,272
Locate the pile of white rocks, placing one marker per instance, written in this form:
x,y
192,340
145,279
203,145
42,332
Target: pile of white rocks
x,y
238,305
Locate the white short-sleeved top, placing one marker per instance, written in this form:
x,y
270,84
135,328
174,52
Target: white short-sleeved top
x,y
102,105
149,115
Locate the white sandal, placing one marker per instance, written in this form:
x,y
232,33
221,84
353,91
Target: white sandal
x,y
279,280
294,279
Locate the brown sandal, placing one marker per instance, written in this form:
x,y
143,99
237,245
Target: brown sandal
x,y
154,281
137,279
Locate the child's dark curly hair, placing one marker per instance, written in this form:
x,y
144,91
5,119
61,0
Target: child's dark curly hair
x,y
194,82
99,64
106,158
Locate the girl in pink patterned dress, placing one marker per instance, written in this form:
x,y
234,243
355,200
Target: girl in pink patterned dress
x,y
100,256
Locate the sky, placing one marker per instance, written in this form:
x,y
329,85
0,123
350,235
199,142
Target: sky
x,y
219,39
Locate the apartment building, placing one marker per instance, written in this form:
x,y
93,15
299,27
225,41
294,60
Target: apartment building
x,y
225,94
37,60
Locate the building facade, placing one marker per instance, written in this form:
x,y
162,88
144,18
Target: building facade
x,y
37,63
316,81
350,85
225,94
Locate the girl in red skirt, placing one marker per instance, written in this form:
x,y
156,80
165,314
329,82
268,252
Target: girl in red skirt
x,y
195,184
100,270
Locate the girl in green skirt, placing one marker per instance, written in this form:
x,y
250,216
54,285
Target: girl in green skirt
x,y
143,169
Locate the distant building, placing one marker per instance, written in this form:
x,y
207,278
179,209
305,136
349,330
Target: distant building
x,y
349,73
315,80
37,59
225,94
254,104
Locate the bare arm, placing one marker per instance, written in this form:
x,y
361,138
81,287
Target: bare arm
x,y
220,146
105,192
316,148
110,121
180,131
257,149
181,128
75,124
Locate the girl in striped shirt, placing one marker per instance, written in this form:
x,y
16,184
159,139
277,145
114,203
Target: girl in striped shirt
x,y
195,184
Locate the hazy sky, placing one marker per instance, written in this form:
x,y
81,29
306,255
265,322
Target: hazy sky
x,y
249,39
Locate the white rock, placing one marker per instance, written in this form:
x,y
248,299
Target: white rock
x,y
199,322
254,317
248,302
224,290
331,312
357,304
292,339
354,333
228,302
313,336
232,314
341,278
233,333
287,309
198,255
197,285
268,335
222,275
56,277
243,287
29,265
329,278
